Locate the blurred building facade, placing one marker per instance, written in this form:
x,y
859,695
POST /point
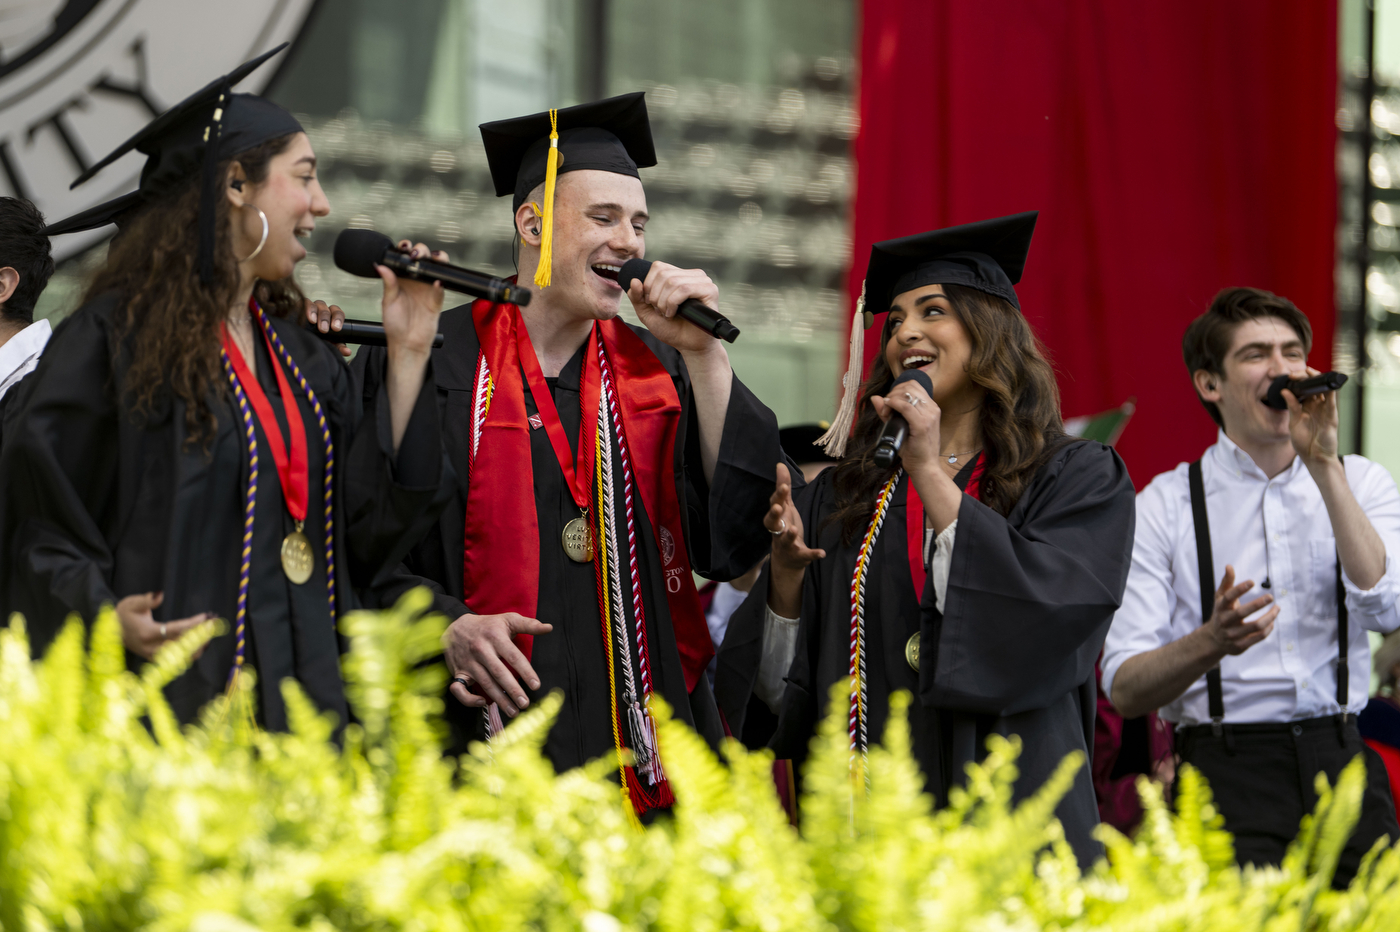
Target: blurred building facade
x,y
752,110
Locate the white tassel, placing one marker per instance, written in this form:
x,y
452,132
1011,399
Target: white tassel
x,y
834,440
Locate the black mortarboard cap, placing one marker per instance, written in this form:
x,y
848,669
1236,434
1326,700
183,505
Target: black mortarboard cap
x,y
117,211
799,441
988,255
612,135
189,139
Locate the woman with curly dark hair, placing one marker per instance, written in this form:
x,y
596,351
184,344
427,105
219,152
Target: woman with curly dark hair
x,y
979,572
186,450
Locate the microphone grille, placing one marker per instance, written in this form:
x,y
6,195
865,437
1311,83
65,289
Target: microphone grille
x,y
358,251
632,269
915,375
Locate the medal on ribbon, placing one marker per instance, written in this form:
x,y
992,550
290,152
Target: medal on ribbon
x,y
577,537
290,456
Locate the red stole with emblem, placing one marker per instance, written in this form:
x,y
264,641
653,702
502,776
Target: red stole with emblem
x,y
501,561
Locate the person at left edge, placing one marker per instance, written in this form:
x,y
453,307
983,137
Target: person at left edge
x,y
181,411
537,404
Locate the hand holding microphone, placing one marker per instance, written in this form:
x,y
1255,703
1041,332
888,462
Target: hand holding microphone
x,y
896,429
674,290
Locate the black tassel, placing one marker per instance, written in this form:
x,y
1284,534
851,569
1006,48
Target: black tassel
x,y
209,189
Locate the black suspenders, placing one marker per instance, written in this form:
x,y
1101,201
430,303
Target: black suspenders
x,y
1206,567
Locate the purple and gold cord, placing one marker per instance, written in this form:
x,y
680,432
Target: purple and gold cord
x,y
245,561
328,481
240,624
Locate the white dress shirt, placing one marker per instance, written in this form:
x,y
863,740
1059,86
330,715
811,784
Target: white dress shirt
x,y
21,353
1267,529
780,634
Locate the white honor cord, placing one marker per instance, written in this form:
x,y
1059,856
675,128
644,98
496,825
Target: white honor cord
x,y
642,751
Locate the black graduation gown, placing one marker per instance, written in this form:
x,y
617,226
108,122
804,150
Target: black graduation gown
x,y
1029,600
723,531
97,506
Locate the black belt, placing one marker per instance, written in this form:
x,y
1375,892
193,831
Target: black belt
x,y
1305,726
1343,724
1206,566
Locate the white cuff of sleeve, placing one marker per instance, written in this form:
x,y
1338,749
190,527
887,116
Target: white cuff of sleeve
x,y
942,563
779,647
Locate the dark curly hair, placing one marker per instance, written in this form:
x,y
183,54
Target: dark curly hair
x,y
1020,416
24,248
169,322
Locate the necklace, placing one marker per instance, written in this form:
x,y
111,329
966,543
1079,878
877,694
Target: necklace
x,y
954,457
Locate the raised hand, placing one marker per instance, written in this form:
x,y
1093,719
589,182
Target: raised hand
x,y
411,308
791,555
1229,630
920,450
141,633
480,648
1312,424
658,298
327,317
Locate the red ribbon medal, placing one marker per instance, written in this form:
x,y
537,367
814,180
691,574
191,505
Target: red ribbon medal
x,y
578,535
290,459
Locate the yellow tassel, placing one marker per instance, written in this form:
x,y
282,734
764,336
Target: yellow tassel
x,y
551,174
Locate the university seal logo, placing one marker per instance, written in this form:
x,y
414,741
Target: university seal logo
x,y
78,77
668,547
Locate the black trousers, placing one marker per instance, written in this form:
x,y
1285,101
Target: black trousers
x,y
1261,776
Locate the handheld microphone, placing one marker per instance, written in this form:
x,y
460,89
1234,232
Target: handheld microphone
x,y
896,429
1302,388
359,251
692,310
363,332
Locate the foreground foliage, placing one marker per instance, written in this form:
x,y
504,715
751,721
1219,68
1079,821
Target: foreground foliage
x,y
105,824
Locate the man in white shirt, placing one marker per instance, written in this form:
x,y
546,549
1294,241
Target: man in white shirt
x,y
1264,695
25,267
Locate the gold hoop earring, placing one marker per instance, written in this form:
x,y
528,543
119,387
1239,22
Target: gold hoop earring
x,y
262,242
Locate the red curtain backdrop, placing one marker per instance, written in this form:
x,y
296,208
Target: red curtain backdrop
x,y
1173,148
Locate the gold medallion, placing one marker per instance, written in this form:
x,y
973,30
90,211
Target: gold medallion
x,y
911,651
297,558
578,540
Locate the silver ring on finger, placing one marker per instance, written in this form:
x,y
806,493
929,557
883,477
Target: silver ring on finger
x,y
162,631
780,530
913,402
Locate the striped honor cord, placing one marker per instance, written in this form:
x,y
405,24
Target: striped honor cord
x,y
327,445
857,720
240,623
638,612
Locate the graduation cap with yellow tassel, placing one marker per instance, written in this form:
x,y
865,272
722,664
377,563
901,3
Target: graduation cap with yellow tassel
x,y
612,135
988,255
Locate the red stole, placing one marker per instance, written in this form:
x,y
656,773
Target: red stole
x,y
914,523
501,560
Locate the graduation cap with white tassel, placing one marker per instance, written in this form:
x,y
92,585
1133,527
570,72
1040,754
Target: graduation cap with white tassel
x,y
988,255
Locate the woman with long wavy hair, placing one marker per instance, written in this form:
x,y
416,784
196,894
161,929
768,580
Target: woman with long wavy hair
x,y
978,572
186,450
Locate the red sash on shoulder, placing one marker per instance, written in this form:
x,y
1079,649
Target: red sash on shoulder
x,y
914,523
501,561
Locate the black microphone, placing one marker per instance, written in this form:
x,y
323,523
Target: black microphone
x,y
1302,388
705,318
363,332
359,251
896,429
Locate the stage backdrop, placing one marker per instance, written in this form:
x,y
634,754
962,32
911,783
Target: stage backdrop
x,y
1173,147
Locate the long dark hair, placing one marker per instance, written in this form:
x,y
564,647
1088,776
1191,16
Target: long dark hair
x,y
169,322
1020,416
